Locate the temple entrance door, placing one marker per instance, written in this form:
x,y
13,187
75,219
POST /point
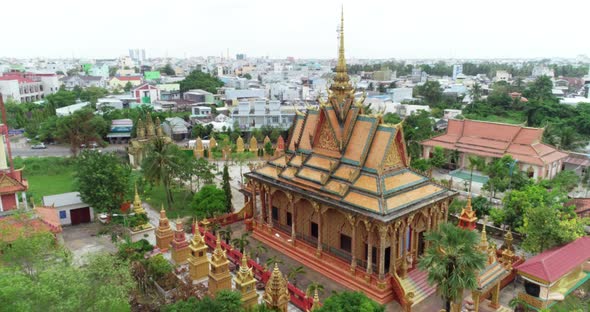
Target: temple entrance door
x,y
421,244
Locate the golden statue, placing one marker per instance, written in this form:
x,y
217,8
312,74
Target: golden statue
x,y
253,145
240,145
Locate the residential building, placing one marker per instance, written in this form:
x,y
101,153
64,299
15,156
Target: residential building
x,y
491,140
176,128
68,110
457,70
503,75
405,110
198,96
169,91
12,182
146,93
235,94
80,81
101,70
400,94
121,81
542,70
27,87
260,112
200,111
120,131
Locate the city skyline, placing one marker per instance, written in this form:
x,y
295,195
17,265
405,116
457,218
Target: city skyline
x,y
374,30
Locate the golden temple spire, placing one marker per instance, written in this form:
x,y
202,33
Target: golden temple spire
x,y
468,205
341,59
316,301
483,243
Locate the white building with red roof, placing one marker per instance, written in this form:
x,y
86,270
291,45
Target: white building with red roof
x,y
121,81
491,140
27,87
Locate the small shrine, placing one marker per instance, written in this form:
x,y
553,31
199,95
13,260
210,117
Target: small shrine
x,y
280,146
468,219
276,294
246,285
316,301
554,274
164,234
198,263
240,145
219,276
253,147
199,150
180,246
266,140
145,132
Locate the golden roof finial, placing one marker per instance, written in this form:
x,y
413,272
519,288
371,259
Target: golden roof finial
x,y
483,243
468,205
244,260
341,59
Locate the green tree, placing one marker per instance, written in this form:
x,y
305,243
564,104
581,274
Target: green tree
x,y
438,157
294,273
80,128
391,118
204,172
227,189
452,261
199,80
475,92
348,301
92,94
61,98
161,165
270,262
417,127
158,267
128,86
225,301
430,91
102,180
241,242
209,201
167,70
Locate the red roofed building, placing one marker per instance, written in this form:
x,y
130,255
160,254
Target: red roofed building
x,y
121,81
11,181
493,140
146,93
553,274
44,220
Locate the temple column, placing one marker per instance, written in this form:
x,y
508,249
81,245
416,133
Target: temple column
x,y
269,210
317,209
16,200
404,239
382,237
369,248
255,206
495,297
351,220
393,249
428,229
293,218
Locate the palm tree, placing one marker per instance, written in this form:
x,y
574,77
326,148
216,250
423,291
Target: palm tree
x,y
215,227
475,92
241,242
258,251
452,261
161,165
226,234
294,272
313,287
270,262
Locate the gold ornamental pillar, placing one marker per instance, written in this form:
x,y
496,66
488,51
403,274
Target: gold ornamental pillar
x,y
351,220
382,236
393,249
369,247
495,304
316,207
404,238
293,218
268,202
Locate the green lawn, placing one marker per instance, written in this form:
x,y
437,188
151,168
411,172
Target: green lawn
x,y
50,184
180,207
511,118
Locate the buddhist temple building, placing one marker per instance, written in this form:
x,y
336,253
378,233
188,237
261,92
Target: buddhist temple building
x,y
276,293
491,140
164,234
555,273
344,192
246,285
145,134
198,263
219,276
180,245
12,181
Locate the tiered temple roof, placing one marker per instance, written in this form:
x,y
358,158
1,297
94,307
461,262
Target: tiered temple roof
x,y
339,155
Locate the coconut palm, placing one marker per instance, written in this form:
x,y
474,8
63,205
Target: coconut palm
x,y
475,162
313,287
294,272
241,242
226,234
452,261
270,262
161,165
258,251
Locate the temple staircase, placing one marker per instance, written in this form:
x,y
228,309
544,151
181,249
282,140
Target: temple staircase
x,y
417,283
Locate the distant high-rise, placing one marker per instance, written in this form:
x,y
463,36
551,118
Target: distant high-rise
x,y
240,56
137,55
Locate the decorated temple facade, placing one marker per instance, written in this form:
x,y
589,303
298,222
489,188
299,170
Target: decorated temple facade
x,y
343,190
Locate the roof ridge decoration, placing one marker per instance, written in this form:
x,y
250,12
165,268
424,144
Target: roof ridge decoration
x,y
341,92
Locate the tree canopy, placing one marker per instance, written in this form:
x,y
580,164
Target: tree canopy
x,y
209,201
348,301
199,80
102,180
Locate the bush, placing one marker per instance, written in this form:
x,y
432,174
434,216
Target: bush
x,y
134,250
158,267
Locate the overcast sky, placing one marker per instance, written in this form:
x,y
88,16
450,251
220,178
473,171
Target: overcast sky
x,y
300,28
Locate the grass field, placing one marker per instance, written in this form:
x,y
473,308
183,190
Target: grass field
x,y
180,207
42,185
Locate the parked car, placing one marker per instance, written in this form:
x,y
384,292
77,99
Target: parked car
x,y
39,146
